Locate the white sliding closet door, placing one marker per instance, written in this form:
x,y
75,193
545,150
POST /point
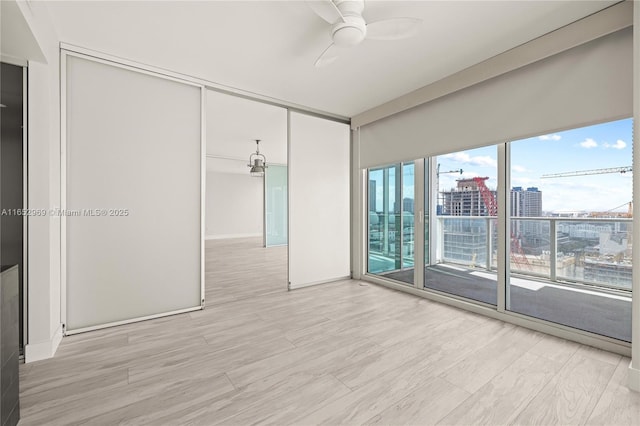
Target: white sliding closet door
x,y
319,221
133,176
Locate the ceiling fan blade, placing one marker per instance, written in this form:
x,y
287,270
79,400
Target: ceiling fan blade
x,y
327,10
393,29
329,56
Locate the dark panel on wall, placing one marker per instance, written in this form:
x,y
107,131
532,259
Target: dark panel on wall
x,y
11,239
9,351
12,173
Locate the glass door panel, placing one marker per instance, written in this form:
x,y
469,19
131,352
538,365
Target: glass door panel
x,y
275,220
384,253
463,230
408,215
570,218
391,198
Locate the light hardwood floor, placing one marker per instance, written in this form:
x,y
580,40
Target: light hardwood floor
x,y
341,353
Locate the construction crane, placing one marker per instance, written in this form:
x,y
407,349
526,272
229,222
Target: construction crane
x,y
609,213
438,172
620,170
612,212
517,254
624,169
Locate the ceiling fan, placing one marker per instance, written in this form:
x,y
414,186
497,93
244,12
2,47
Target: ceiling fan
x,y
348,27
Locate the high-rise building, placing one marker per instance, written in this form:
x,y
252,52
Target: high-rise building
x,y
464,200
408,205
533,235
526,203
465,239
372,195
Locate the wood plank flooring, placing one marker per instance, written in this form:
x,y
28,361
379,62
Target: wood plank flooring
x,y
342,353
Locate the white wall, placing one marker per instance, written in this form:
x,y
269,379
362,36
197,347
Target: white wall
x,y
43,275
233,205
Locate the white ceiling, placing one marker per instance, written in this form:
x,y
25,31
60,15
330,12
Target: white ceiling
x,y
16,38
269,47
233,124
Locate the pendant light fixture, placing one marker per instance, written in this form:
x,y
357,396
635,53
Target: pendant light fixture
x,y
257,162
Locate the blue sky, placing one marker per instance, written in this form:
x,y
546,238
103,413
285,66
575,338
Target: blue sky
x,y
600,146
593,147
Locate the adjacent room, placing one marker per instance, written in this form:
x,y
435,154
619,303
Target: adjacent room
x,y
246,222
319,212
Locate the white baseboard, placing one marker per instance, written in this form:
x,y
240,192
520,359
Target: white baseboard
x,y
303,285
229,236
634,378
43,350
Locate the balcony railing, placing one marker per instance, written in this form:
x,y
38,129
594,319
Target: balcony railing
x,y
590,251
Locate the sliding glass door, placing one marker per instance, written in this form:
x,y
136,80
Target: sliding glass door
x,y
391,200
560,247
384,253
571,222
463,232
408,215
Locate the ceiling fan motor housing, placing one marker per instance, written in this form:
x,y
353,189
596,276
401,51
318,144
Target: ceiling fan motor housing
x,y
354,28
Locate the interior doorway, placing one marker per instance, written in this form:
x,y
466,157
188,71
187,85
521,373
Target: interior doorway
x,y
246,218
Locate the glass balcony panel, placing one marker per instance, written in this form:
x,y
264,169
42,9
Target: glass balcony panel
x,y
465,241
595,252
530,247
462,259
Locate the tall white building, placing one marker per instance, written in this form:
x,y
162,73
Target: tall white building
x,y
526,203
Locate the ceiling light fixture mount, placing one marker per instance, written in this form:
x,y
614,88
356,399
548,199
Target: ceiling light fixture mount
x,y
349,28
257,162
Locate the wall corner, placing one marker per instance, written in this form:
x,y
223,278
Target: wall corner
x,y
43,350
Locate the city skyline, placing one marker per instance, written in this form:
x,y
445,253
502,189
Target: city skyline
x,y
600,146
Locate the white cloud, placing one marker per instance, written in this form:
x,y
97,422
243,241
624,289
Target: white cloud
x,y
589,193
620,144
550,137
518,169
524,181
588,143
484,161
461,157
480,160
